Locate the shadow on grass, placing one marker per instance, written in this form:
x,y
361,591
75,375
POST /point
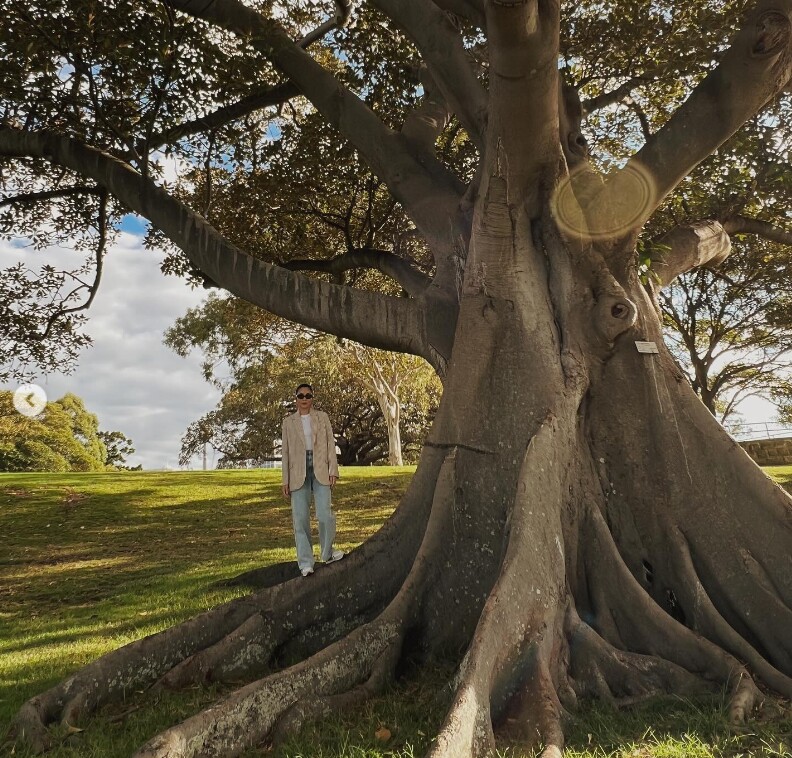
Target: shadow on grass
x,y
94,561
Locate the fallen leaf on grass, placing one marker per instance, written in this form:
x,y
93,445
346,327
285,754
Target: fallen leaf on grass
x,y
383,734
72,497
121,716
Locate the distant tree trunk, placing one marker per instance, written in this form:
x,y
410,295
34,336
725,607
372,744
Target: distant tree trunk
x,y
391,411
385,384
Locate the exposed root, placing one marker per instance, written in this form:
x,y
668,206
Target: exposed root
x,y
597,669
345,671
674,471
760,616
535,713
244,651
247,716
467,729
138,664
658,634
311,709
211,645
510,650
704,616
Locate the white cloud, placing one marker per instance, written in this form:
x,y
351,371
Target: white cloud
x,y
128,378
173,167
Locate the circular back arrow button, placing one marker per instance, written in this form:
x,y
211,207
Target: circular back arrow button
x,y
30,400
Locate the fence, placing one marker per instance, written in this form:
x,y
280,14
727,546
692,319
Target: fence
x,y
761,430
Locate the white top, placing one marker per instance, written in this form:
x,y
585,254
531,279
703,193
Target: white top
x,y
306,422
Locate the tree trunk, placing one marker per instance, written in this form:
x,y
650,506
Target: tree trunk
x,y
579,525
607,537
391,412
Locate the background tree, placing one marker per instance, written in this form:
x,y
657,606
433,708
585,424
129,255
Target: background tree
x,y
388,374
731,328
577,512
258,374
64,437
729,322
118,447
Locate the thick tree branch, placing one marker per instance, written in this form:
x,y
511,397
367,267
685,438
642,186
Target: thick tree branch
x,y
687,247
706,242
441,48
472,10
263,98
411,279
339,21
745,225
426,189
755,68
523,133
390,323
643,119
428,119
615,95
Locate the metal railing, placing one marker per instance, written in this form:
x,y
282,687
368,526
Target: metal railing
x,y
761,430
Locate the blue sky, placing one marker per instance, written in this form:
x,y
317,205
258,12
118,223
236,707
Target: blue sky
x,y
128,378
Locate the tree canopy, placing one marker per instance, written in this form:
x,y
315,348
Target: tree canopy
x,y
504,189
258,360
64,437
731,328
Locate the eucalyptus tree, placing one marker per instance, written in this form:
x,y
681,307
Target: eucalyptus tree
x,y
257,360
579,524
731,327
387,374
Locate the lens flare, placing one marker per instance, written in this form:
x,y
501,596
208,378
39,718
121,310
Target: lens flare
x,y
587,205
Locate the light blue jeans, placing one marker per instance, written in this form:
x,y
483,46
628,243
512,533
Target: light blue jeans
x,y
301,509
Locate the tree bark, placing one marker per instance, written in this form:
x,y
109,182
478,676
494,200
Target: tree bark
x,y
578,514
607,538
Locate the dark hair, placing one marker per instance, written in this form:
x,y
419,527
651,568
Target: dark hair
x,y
300,386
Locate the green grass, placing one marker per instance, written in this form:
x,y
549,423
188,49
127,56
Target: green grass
x,y
90,562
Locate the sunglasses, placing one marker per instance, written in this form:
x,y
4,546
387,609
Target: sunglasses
x,y
306,396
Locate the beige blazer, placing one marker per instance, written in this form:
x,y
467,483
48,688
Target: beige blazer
x,y
293,449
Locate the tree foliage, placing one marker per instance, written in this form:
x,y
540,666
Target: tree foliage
x,y
504,189
258,360
64,437
118,446
731,327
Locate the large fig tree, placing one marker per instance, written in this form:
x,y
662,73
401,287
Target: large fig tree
x,y
579,524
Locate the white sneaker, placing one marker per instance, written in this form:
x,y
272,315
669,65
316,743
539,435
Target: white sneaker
x,y
307,571
336,555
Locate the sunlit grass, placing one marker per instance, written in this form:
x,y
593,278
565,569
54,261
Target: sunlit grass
x,y
90,562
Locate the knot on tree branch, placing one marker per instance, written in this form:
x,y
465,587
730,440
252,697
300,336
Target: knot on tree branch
x,y
570,115
772,34
615,314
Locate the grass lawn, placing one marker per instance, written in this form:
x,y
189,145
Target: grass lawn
x,y
90,562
